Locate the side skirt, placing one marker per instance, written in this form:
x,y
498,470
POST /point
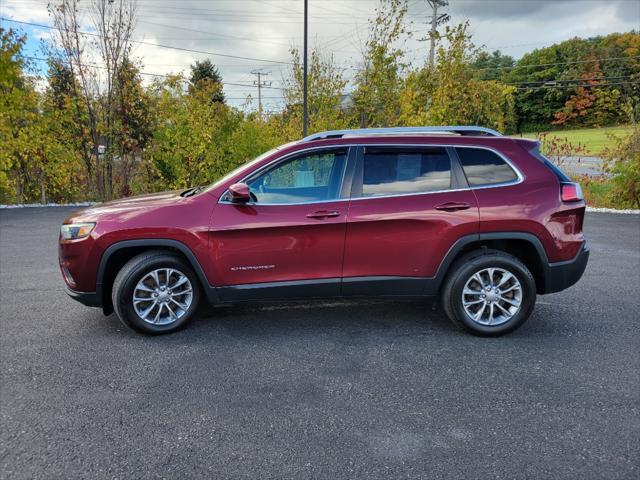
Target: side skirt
x,y
327,288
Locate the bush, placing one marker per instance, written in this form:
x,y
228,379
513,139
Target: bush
x,y
622,161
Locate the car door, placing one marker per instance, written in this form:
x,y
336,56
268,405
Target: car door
x,y
409,205
289,241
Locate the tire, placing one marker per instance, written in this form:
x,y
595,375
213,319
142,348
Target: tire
x,y
137,277
500,315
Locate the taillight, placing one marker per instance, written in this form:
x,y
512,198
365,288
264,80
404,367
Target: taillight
x,y
571,192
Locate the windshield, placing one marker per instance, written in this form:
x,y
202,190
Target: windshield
x,y
248,164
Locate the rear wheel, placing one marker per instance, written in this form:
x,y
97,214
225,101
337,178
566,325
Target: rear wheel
x,y
489,293
156,292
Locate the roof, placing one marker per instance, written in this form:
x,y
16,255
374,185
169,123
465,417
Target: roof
x,y
462,130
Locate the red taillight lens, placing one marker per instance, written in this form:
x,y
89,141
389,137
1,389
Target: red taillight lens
x,y
571,192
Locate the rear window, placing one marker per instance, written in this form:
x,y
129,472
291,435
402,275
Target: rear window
x,y
484,167
394,171
561,176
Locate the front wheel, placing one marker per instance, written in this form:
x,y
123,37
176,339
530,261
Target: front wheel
x,y
489,293
156,292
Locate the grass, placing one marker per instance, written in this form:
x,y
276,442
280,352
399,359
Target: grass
x,y
594,140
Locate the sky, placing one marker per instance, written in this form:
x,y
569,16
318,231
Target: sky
x,y
263,31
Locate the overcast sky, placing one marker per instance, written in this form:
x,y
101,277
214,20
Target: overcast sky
x,y
265,30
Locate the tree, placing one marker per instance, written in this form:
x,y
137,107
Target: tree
x,y
17,104
205,75
379,82
113,21
459,97
190,136
132,128
591,104
325,95
493,66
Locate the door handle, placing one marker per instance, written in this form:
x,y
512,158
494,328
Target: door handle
x,y
453,206
323,214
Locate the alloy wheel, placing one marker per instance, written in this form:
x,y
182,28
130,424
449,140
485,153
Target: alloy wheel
x,y
162,296
492,296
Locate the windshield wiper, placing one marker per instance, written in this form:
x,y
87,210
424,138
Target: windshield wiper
x,y
192,191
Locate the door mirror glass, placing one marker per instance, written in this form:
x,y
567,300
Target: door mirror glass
x,y
239,193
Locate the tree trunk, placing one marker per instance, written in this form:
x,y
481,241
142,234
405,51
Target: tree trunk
x,y
19,192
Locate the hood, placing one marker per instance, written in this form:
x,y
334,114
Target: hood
x,y
129,205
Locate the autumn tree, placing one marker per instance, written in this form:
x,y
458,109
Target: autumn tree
x,y
580,103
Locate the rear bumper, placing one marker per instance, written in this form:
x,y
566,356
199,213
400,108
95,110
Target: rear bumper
x,y
90,299
562,275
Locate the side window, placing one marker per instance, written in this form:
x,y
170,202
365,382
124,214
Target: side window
x,y
484,167
309,178
396,171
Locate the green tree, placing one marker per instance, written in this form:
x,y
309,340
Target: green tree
x,y
325,95
493,66
458,96
379,83
132,124
205,75
188,146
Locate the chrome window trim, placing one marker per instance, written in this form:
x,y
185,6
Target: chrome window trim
x,y
520,176
285,158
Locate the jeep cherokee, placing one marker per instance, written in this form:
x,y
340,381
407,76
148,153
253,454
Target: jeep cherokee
x,y
480,221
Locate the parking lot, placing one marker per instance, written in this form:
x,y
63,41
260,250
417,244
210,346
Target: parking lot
x,y
370,389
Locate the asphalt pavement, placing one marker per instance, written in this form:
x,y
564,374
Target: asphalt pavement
x,y
370,389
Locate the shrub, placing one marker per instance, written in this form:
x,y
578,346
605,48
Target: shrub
x,y
622,162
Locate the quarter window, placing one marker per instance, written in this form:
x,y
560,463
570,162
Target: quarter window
x,y
393,171
312,177
484,167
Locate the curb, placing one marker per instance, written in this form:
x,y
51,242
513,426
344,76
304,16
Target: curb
x,y
628,211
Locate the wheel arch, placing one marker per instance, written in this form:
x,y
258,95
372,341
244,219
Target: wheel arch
x,y
117,254
526,247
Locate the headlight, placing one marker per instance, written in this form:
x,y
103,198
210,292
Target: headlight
x,y
72,231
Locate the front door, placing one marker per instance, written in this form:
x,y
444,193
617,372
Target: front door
x,y
289,241
409,205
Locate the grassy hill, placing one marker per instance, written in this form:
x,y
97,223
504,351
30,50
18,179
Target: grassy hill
x,y
593,139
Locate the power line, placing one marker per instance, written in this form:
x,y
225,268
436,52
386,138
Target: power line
x,y
182,49
141,42
235,84
565,80
608,84
280,62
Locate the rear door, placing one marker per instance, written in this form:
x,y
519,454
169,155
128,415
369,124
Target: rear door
x,y
289,242
409,205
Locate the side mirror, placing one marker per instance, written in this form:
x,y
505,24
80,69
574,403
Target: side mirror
x,y
239,193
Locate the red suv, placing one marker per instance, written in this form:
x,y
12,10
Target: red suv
x,y
482,221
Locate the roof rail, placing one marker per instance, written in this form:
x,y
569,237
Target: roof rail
x,y
460,130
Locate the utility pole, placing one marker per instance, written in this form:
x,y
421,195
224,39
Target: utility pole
x,y
260,83
305,115
436,19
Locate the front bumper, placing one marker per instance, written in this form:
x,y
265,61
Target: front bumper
x,y
562,275
90,299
